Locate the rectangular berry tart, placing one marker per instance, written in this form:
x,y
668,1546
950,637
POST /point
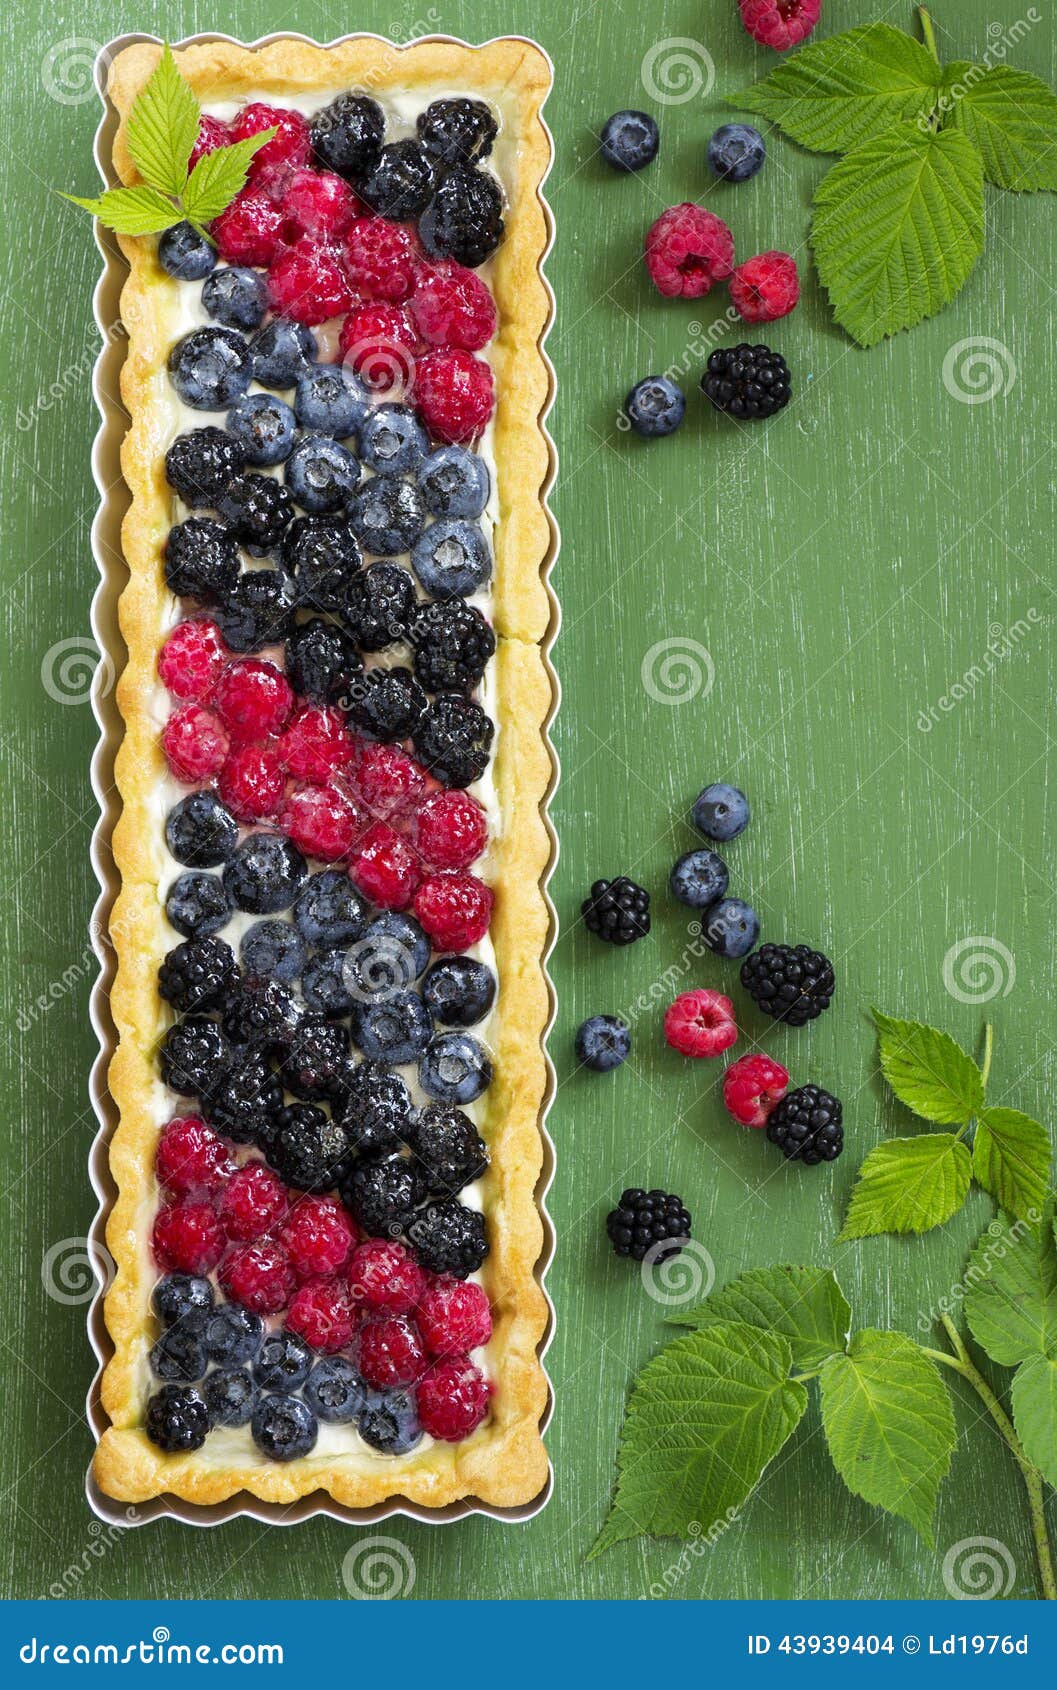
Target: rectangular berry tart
x,y
330,996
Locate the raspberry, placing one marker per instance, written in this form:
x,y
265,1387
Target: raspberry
x,y
453,1399
190,661
252,783
455,909
452,307
383,1275
188,1237
318,203
379,342
258,1276
194,743
318,1236
389,1351
316,745
253,1202
455,395
387,779
779,23
450,830
751,1088
453,1316
291,146
250,230
688,249
212,133
306,283
381,259
765,288
385,868
322,821
253,699
323,1315
700,1023
190,1157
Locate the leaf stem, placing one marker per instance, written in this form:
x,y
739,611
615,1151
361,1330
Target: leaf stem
x,y
928,32
962,1363
989,1045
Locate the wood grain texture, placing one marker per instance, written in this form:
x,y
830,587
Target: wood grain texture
x,y
843,566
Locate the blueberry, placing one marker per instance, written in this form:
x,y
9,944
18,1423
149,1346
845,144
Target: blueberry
x,y
265,873
395,1028
334,1390
281,352
200,832
388,1422
321,475
284,1428
390,956
331,400
721,812
236,296
392,439
233,1334
180,1352
730,928
265,427
454,1069
273,948
323,985
282,1363
699,879
459,991
455,482
185,254
210,368
736,152
329,910
630,140
602,1043
197,905
655,406
258,610
387,515
452,559
231,1396
179,1294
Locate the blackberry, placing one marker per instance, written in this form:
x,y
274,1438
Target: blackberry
x,y
180,1353
258,510
324,987
388,1422
377,1109
807,1124
452,644
465,219
454,739
193,1053
231,1396
401,183
258,611
233,1334
387,704
243,1100
200,831
617,911
198,974
347,135
177,1418
380,609
275,948
282,1363
307,1148
264,874
330,911
387,515
447,1237
648,1223
263,425
201,560
383,1195
448,1149
284,1428
197,905
747,381
396,1028
791,982
457,131
262,1013
180,1294
314,1067
334,1390
322,555
199,465
321,661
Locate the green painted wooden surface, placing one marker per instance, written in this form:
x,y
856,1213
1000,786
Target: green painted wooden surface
x,y
844,567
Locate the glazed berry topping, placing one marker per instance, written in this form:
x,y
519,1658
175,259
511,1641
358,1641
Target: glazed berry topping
x,y
180,1294
191,660
253,699
454,1069
377,1110
700,1023
307,1148
282,1362
197,904
315,1065
192,1055
233,1335
687,250
381,259
264,425
334,1390
231,1396
236,296
387,515
258,611
383,1195
385,868
389,1351
388,704
177,1419
452,307
330,911
459,991
317,203
195,744
452,558
387,779
323,1314
379,343
257,510
465,219
455,395
322,555
318,1236
190,1157
322,821
249,231
210,368
200,464
454,908
454,739
450,830
284,1428
265,873
322,661
449,1238
457,131
384,1276
201,560
401,183
448,1148
455,482
253,1202
453,1399
452,644
261,1012
212,133
292,145
347,135
751,1088
180,1353
392,440
453,1316
315,744
199,974
273,947
306,282
187,1236
242,1098
252,783
281,352
258,1276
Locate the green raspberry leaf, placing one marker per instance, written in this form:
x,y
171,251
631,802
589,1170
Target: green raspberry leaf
x,y
1011,117
219,176
805,1305
928,1072
889,1425
909,1185
898,225
163,128
704,1419
836,94
131,211
1011,1160
1035,1413
1011,1301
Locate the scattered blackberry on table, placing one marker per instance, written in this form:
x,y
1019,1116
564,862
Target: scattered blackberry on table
x,y
275,948
258,611
264,874
307,1148
455,1068
392,440
199,974
721,812
381,606
324,986
452,558
457,131
603,1043
388,704
282,1362
699,878
314,1066
387,515
197,905
347,135
258,510
284,1428
453,740
654,1224
383,1195
395,1028
448,1148
210,368
464,220
243,1099
736,152
730,928
329,910
231,1396
236,296
185,254
391,956
322,662
180,1294
264,426
617,911
233,1334
200,464
179,1355
655,407
321,474
262,1013
630,140
334,1390
807,1126
447,1237
388,1422
455,482
177,1419
200,831
201,560
281,352
192,1054
747,381
459,991
331,399
322,555
791,982
376,1113
452,645
401,183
